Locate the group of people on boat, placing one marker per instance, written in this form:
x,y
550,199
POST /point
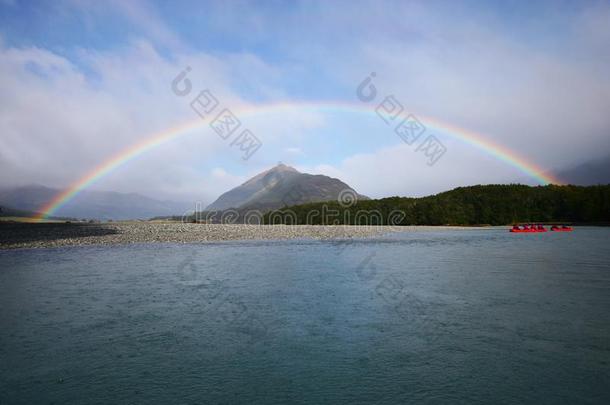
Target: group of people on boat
x,y
540,228
528,228
561,228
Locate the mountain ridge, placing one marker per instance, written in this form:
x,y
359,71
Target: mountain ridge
x,y
281,186
588,173
102,205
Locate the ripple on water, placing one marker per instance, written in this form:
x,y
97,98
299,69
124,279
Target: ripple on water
x,y
473,316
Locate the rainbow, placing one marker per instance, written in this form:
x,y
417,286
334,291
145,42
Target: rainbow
x,y
152,141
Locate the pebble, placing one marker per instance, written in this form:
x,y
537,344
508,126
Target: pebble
x,y
24,235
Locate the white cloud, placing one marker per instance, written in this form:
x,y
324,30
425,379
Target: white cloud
x,y
137,14
545,98
58,123
294,150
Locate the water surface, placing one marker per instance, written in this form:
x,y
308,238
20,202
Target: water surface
x,y
448,316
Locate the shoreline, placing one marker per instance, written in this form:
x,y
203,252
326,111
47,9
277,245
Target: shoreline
x,y
15,235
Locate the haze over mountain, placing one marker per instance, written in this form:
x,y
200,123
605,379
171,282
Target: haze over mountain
x,y
282,186
102,205
589,173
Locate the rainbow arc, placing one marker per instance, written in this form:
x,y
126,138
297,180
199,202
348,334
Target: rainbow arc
x,y
472,138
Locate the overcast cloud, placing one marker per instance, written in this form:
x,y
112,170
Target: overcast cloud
x,y
81,81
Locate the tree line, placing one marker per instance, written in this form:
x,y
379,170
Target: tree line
x,y
473,205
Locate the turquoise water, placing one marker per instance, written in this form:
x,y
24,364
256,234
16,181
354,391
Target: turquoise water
x,y
473,316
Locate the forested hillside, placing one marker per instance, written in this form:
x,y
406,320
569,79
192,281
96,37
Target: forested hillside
x,y
489,204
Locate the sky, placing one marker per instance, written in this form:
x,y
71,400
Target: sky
x,y
83,80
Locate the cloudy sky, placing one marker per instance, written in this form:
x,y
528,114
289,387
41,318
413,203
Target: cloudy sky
x,y
81,81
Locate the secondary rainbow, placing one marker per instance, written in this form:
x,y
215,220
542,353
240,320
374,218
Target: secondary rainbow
x,y
152,141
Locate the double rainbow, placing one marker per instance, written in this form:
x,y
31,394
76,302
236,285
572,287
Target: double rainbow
x,y
157,139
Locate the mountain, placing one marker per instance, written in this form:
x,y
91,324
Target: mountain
x,y
282,186
6,211
90,204
587,174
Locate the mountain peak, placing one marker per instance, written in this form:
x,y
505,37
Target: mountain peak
x,y
281,167
281,186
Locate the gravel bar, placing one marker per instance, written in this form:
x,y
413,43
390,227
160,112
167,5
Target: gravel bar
x,y
44,235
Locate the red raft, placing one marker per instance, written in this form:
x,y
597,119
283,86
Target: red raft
x,y
528,229
564,228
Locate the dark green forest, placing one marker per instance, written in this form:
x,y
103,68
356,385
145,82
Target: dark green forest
x,y
474,205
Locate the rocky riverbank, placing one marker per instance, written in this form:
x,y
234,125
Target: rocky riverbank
x,y
24,235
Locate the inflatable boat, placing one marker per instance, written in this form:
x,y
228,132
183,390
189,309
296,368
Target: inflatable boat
x,y
528,229
563,228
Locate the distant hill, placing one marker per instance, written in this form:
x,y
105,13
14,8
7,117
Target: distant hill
x,y
6,211
281,186
588,173
475,205
102,205
12,214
